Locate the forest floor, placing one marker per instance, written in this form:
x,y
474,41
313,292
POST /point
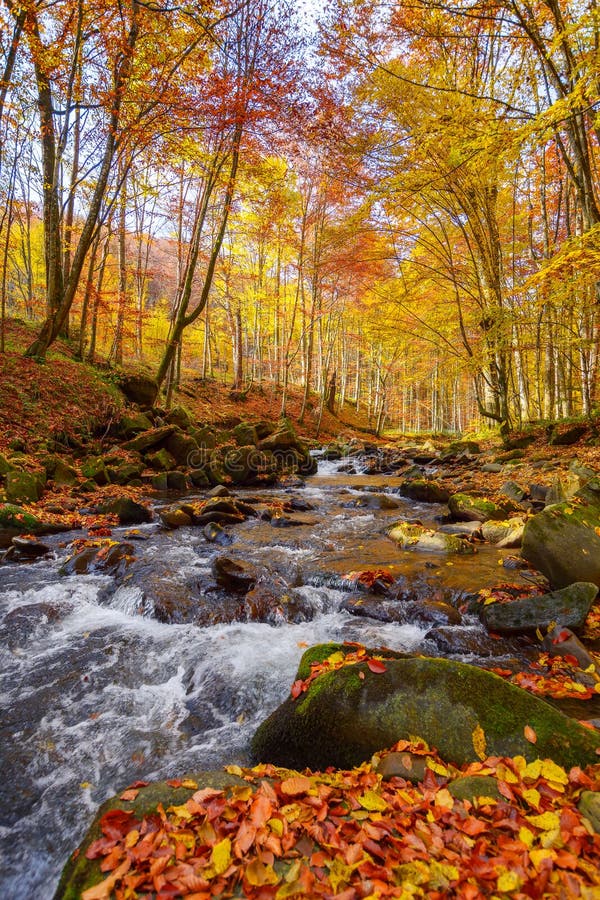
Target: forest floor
x,y
64,398
69,402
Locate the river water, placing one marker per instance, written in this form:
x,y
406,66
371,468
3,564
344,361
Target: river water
x,y
95,693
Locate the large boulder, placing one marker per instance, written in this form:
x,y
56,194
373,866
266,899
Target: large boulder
x,y
184,449
569,607
129,512
347,714
24,486
563,542
424,491
140,389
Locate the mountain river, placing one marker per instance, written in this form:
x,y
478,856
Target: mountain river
x,y
96,693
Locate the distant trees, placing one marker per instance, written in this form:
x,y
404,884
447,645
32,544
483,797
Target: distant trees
x,y
404,220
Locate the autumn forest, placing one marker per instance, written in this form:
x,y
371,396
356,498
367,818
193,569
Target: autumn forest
x,y
393,205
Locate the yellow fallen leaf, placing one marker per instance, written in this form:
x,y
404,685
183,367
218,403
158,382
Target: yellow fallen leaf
x,y
276,826
508,881
181,811
526,836
258,874
220,857
372,801
444,798
553,772
479,742
538,857
532,797
547,821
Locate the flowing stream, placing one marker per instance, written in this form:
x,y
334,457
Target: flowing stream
x,y
96,693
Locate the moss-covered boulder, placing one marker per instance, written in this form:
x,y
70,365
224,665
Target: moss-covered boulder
x,y
468,508
60,471
131,425
126,473
5,466
139,388
183,448
348,714
503,534
424,491
245,435
569,607
80,873
15,520
24,486
563,542
205,437
161,460
180,416
150,438
95,470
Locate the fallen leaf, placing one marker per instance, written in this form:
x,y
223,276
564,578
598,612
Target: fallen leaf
x,y
530,734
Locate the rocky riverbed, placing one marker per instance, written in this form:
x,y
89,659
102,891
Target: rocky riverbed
x,y
158,649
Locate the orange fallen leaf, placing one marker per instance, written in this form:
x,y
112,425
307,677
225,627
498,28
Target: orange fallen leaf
x,y
530,734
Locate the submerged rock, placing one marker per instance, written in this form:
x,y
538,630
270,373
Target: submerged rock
x,y
350,713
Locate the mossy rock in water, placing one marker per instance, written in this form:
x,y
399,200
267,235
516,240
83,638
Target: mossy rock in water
x,y
466,508
350,713
563,542
80,873
569,607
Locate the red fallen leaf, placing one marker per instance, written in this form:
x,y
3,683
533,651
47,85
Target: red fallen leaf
x,y
376,666
175,782
572,660
297,688
116,823
137,784
530,734
561,636
129,794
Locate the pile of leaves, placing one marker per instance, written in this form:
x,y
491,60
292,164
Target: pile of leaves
x,y
350,835
508,593
555,676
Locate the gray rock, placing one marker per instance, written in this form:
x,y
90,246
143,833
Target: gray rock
x,y
569,607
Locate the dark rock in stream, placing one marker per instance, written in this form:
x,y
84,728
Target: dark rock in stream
x,y
112,558
424,612
128,511
234,574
